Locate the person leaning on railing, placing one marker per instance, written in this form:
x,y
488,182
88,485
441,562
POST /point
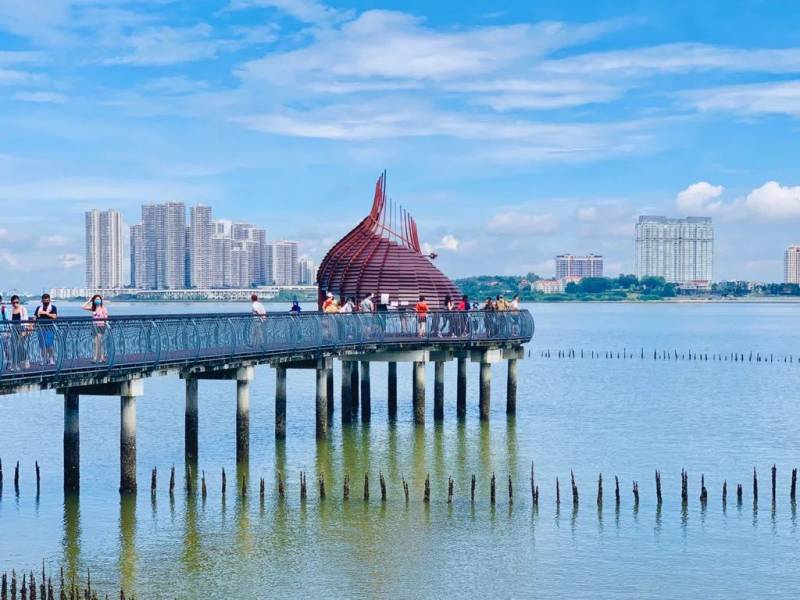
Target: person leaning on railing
x,y
100,325
45,314
17,333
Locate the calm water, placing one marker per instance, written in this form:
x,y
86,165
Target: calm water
x,y
623,418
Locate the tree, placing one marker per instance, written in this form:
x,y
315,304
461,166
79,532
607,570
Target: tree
x,y
626,282
572,288
595,285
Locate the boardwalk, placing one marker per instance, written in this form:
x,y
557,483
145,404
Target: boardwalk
x,y
113,358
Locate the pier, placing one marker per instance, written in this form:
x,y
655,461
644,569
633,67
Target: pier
x,y
61,356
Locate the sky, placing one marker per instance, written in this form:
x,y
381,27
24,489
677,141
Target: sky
x,y
511,131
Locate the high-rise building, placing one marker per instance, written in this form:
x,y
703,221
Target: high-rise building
x,y
104,249
284,262
679,250
240,263
222,268
307,273
138,256
791,264
199,249
568,265
164,240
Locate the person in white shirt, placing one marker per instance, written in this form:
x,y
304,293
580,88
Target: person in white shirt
x,y
348,306
257,307
367,305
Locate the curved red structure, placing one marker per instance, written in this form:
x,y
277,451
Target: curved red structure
x,y
382,255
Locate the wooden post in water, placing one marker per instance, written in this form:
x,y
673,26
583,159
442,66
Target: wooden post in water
x,y
38,479
616,491
203,490
600,490
739,494
449,490
438,390
16,479
224,481
636,494
261,489
755,487
280,402
366,393
405,489
472,489
792,490
510,490
658,487
383,486
461,388
153,480
558,493
281,487
366,485
492,490
322,486
724,494
703,490
574,488
427,494
392,390
346,487
774,477
419,392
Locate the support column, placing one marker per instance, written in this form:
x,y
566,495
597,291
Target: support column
x,y
485,390
244,376
190,436
419,393
280,402
354,389
392,391
438,391
322,403
366,393
127,444
461,389
347,382
511,387
72,442
330,390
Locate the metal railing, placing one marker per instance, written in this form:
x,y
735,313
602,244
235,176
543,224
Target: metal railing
x,y
34,349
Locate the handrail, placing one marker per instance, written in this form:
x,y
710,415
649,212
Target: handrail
x,y
34,349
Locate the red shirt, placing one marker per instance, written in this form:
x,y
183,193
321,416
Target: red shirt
x,y
421,307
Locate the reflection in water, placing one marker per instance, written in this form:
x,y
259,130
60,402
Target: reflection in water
x,y
244,542
190,554
71,543
127,534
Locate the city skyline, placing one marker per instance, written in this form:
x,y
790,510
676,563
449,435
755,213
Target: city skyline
x,y
512,135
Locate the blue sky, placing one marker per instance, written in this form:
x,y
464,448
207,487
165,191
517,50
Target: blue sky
x,y
511,131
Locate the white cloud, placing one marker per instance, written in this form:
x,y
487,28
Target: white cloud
x,y
3,233
41,97
69,261
52,241
166,45
773,201
448,243
17,77
697,199
775,97
587,213
8,259
175,85
307,11
514,222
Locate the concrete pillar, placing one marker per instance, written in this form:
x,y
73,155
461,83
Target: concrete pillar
x,y
72,442
330,390
322,403
461,389
438,391
127,444
354,389
244,376
347,382
392,391
190,424
366,393
419,393
511,387
485,400
280,402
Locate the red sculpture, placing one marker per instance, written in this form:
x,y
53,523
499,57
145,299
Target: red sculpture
x,y
382,255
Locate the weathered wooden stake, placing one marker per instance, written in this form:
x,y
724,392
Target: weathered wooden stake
x,y
322,486
172,480
366,485
224,481
492,490
203,490
739,493
281,487
427,494
449,490
153,480
755,487
724,493
703,490
472,489
510,491
303,487
574,488
261,488
658,487
774,476
38,482
346,487
793,489
16,479
383,486
188,479
405,489
616,490
636,494
558,493
600,490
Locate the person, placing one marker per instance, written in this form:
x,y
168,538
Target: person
x,y
421,308
45,314
329,301
19,333
348,306
367,305
256,307
514,303
488,316
501,303
101,326
515,321
447,325
295,310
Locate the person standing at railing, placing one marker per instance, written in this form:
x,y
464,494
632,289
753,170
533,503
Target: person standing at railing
x,y
45,314
18,334
348,306
100,325
295,309
489,309
421,308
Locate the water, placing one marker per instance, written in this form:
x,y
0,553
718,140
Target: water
x,y
623,418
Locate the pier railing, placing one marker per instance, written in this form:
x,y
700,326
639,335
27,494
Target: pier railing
x,y
36,348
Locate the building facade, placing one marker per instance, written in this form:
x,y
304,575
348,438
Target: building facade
x,y
791,264
307,271
568,265
679,250
199,250
284,263
104,249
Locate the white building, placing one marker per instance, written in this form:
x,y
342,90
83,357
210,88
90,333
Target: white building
x,y
307,271
199,247
791,264
679,250
163,236
104,249
568,265
285,267
548,286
